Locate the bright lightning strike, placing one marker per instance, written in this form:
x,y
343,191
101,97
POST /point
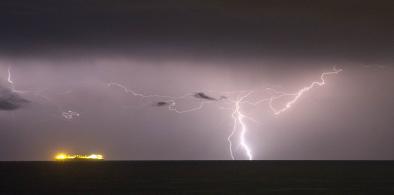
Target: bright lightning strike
x,y
238,116
301,92
12,83
9,77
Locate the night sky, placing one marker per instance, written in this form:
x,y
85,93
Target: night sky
x,y
63,56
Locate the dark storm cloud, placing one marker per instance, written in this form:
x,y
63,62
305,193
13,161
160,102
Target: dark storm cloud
x,y
162,104
223,97
359,30
202,95
10,100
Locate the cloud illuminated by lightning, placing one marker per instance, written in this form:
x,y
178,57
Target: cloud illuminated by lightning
x,y
240,127
69,115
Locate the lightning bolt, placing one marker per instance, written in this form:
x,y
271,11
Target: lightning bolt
x,y
170,100
12,83
298,94
239,124
238,118
9,79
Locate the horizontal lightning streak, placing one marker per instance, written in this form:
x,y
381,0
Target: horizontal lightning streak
x,y
172,100
301,92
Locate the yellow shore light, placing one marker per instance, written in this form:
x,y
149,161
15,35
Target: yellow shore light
x,y
63,157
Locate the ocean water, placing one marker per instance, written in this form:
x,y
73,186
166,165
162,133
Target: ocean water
x,y
198,177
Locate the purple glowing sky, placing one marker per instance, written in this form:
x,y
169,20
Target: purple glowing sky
x,y
348,118
63,54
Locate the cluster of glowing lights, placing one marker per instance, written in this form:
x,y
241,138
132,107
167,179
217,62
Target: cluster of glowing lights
x,y
70,114
63,156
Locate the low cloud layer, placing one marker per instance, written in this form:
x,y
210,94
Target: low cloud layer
x,y
202,95
10,100
162,103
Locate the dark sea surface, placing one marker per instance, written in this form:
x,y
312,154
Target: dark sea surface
x,y
198,177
